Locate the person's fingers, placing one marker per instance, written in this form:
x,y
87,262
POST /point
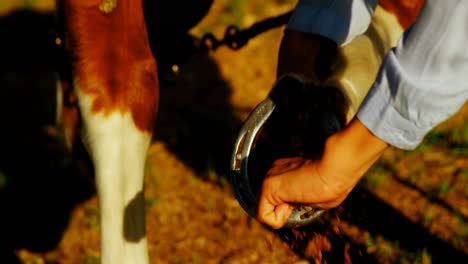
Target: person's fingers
x,y
272,210
274,216
297,181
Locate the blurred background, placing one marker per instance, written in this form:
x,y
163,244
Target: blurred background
x,y
411,207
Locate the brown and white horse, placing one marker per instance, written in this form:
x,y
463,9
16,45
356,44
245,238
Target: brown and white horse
x,y
115,81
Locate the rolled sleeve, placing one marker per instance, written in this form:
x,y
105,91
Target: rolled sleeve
x,y
339,20
424,80
378,113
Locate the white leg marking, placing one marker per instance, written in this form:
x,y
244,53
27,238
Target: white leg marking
x,y
118,150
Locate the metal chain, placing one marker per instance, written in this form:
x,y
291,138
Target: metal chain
x,y
235,38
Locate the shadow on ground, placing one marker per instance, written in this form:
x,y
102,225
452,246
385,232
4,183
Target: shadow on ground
x,y
367,212
40,182
370,213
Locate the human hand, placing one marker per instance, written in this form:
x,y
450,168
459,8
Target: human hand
x,y
296,181
323,184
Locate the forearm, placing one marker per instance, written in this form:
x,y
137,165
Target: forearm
x,y
355,148
348,155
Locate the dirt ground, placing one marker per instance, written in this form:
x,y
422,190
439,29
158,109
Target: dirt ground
x,y
411,207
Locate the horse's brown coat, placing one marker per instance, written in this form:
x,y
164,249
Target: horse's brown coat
x,y
111,58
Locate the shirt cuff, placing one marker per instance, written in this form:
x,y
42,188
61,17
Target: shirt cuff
x,y
379,115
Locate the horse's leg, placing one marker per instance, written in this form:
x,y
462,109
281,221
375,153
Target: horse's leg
x,y
115,80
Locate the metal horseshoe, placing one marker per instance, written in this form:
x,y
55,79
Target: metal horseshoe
x,y
301,215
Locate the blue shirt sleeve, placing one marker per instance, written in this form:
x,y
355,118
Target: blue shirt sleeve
x,y
424,80
339,20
